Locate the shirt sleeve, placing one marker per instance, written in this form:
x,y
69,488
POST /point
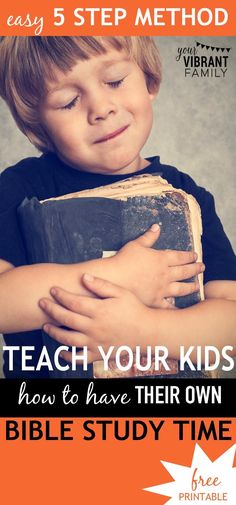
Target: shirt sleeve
x,y
218,255
11,242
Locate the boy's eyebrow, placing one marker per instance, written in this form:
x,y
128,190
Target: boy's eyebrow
x,y
107,64
58,88
114,61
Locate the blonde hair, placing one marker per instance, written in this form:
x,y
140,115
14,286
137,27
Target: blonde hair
x,y
28,63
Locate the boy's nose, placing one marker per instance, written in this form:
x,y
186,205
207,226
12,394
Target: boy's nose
x,y
100,106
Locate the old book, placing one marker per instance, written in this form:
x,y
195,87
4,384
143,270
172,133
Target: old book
x,y
96,223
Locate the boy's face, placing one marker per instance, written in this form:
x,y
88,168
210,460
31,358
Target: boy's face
x,y
99,114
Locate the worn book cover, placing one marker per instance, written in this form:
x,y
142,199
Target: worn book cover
x,y
142,441
96,223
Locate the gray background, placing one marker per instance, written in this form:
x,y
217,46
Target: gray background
x,y
194,127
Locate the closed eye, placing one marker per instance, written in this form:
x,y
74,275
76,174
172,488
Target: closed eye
x,y
115,84
71,104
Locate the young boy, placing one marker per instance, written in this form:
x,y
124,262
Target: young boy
x,y
86,102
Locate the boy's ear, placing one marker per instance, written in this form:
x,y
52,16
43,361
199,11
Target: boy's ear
x,y
153,95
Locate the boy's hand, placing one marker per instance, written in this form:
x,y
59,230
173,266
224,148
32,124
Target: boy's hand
x,y
155,275
116,318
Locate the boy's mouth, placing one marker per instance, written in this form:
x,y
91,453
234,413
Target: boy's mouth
x,y
111,135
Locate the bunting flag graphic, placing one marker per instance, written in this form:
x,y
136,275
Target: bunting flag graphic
x,y
213,48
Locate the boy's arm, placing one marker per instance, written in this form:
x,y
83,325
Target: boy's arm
x,y
211,322
120,319
22,287
151,274
220,289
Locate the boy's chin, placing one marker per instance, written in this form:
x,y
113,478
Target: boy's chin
x,y
113,170
109,167
119,167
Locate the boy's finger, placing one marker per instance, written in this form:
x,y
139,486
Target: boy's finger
x,y
66,337
80,304
182,288
101,287
183,272
149,238
176,258
64,316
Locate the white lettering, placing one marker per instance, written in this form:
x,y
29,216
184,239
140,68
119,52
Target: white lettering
x,y
27,22
143,19
209,17
82,356
106,356
107,16
79,17
160,16
228,358
203,394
